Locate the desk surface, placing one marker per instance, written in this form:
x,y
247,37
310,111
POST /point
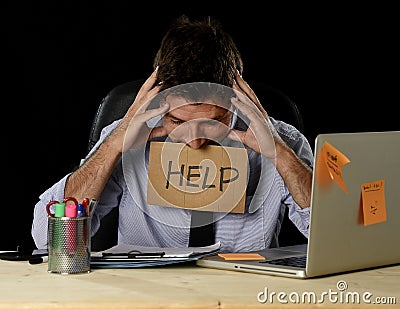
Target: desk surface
x,y
180,286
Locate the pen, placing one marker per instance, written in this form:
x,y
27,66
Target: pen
x,y
134,255
92,206
38,259
148,255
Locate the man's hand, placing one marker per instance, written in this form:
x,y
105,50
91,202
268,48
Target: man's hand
x,y
133,131
260,135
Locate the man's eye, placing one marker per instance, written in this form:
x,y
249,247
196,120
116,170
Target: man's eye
x,y
176,122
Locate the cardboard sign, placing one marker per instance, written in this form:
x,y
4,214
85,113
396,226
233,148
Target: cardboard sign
x,y
213,178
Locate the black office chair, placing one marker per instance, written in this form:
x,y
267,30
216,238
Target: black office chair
x,y
116,103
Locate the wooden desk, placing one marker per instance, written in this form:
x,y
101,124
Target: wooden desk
x,y
181,286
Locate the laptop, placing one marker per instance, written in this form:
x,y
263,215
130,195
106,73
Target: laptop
x,y
344,235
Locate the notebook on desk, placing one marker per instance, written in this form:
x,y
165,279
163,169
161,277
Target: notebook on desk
x,y
355,210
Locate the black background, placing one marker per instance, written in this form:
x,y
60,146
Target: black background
x,y
337,62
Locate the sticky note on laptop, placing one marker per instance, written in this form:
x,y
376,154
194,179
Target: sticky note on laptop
x,y
241,256
373,202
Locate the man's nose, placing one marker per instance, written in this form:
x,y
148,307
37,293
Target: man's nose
x,y
193,131
196,143
194,138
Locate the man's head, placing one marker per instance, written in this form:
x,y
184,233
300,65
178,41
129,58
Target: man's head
x,y
197,51
199,113
200,53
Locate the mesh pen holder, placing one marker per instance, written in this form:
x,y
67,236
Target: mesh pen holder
x,y
69,245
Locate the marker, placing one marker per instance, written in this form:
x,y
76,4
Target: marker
x,y
38,259
85,201
60,210
71,211
80,211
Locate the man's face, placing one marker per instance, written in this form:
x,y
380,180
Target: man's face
x,y
196,124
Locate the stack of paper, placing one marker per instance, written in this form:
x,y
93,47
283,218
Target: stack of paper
x,y
130,256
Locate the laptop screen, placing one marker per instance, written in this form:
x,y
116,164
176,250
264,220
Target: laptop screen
x,y
355,209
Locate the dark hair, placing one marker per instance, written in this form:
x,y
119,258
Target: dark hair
x,y
197,51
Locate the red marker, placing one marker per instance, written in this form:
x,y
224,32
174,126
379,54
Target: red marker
x,y
85,202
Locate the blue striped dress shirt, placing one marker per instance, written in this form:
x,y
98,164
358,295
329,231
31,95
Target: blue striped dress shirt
x,y
156,226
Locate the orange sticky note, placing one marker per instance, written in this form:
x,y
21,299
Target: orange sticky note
x,y
373,202
330,162
241,256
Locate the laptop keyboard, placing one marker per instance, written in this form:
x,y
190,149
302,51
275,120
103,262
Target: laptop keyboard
x,y
295,261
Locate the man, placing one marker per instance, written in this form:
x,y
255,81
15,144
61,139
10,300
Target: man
x,y
192,52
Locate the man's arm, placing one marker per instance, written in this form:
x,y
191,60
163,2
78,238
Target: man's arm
x,y
91,177
295,173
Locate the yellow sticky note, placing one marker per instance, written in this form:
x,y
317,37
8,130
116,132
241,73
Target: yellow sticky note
x,y
373,202
330,162
241,256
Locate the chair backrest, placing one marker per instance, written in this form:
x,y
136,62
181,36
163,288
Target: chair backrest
x,y
115,104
